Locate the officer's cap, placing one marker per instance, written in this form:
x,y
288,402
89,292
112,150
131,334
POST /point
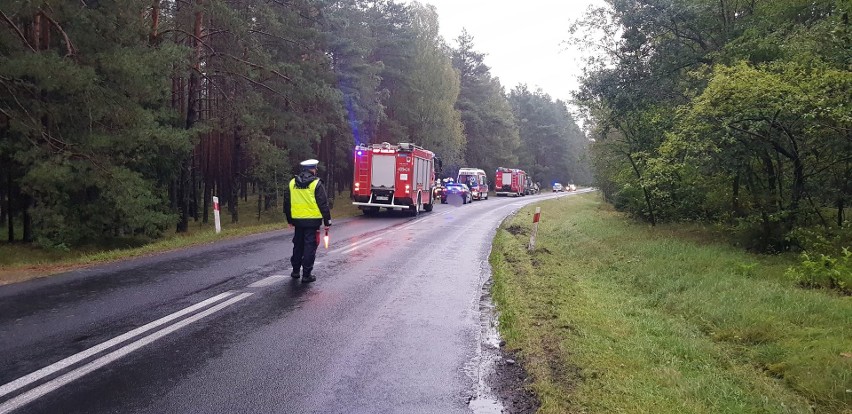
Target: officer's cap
x,y
309,164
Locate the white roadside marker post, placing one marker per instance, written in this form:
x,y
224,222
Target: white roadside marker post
x,y
536,217
216,219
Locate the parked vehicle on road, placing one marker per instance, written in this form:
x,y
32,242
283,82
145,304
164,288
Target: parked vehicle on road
x,y
558,188
476,181
452,189
572,187
394,177
531,187
510,182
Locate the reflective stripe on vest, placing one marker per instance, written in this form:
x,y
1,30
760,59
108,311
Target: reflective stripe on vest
x,y
303,201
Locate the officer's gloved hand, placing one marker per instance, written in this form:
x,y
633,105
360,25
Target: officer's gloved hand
x,y
328,223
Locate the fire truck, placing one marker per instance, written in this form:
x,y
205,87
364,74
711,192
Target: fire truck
x,y
394,177
510,182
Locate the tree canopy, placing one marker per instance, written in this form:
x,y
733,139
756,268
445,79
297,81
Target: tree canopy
x,y
123,119
726,111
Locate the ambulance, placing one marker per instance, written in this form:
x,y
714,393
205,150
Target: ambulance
x,y
476,180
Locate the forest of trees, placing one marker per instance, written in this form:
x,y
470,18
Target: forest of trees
x,y
734,112
123,118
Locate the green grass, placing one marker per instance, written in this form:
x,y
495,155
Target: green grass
x,y
614,316
21,261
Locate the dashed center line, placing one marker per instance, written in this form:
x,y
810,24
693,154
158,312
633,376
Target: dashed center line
x,y
362,244
269,281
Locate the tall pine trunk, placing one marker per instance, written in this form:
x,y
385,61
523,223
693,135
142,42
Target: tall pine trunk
x,y
206,202
193,207
193,94
9,207
235,178
27,220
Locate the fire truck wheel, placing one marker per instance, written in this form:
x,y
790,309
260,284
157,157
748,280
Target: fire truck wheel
x,y
414,210
428,207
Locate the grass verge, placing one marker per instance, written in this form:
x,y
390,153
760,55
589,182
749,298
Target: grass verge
x,y
19,262
613,316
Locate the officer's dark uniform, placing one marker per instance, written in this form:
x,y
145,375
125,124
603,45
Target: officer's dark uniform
x,y
306,208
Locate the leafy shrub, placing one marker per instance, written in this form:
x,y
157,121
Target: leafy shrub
x,y
824,272
766,233
818,239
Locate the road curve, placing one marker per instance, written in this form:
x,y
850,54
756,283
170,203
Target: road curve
x,y
391,325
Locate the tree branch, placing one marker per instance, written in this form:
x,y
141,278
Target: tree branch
x,y
277,37
190,35
254,65
68,44
17,30
256,83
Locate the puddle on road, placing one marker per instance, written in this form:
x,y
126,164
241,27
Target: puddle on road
x,y
484,364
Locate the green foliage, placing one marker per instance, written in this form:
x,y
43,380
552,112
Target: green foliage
x,y
725,111
122,119
816,239
824,271
421,106
490,129
88,135
552,145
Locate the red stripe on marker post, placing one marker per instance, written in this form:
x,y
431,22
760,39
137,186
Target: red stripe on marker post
x,y
536,217
216,220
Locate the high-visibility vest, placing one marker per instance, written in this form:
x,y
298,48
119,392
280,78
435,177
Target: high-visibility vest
x,y
303,201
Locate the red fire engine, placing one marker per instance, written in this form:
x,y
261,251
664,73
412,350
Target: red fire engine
x,y
510,181
394,177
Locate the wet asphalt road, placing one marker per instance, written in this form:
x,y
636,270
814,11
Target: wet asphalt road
x,y
391,325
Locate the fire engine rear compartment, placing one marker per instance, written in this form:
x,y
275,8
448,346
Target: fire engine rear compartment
x,y
507,183
382,175
393,177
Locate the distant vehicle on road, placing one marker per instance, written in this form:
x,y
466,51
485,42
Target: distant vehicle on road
x,y
456,190
572,187
531,186
476,181
510,182
557,188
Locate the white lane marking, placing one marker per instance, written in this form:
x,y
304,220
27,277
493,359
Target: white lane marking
x,y
359,243
352,249
58,382
416,222
73,359
271,280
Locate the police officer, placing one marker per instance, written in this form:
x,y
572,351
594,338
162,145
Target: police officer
x,y
306,208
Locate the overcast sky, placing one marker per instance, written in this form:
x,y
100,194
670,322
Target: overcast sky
x,y
521,39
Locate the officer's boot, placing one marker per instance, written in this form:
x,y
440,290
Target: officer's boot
x,y
308,277
295,274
